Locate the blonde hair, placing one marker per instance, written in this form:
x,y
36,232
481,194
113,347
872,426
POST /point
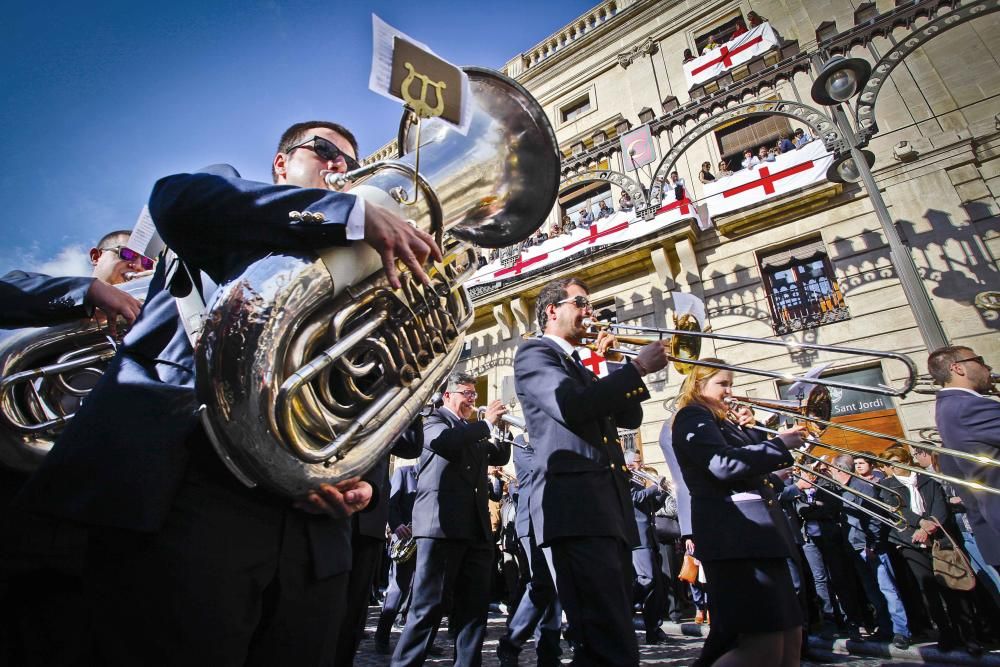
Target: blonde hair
x,y
694,384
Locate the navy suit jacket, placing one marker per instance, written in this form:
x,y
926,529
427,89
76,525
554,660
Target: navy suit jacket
x,y
524,467
718,461
972,424
452,488
573,419
37,300
121,460
409,444
402,494
645,503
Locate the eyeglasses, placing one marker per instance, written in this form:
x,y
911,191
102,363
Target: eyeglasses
x,y
580,302
469,393
129,255
979,360
327,151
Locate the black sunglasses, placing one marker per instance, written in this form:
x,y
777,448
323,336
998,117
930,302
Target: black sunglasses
x,y
979,360
129,255
578,301
326,150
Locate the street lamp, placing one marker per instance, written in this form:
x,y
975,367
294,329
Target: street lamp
x,y
839,80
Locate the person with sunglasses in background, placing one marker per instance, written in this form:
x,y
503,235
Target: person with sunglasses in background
x,y
451,524
573,419
969,421
187,565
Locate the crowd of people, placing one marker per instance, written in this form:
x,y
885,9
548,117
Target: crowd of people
x,y
167,558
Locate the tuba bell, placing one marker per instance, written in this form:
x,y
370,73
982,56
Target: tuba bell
x,y
46,374
310,365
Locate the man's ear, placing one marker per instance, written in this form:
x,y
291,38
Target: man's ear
x,y
279,165
95,255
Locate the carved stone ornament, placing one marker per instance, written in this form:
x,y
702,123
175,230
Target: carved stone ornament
x,y
647,48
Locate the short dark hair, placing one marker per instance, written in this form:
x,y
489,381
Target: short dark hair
x,y
940,361
553,293
107,238
458,378
798,130
297,134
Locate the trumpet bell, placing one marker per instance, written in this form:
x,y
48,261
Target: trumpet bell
x,y
684,346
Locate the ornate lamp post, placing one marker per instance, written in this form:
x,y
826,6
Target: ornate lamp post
x,y
839,80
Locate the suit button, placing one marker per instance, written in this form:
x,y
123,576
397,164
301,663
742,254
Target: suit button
x,y
605,440
625,469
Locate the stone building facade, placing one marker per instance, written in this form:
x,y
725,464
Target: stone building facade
x,y
810,265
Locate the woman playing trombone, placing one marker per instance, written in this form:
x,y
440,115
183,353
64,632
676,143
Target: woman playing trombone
x,y
736,522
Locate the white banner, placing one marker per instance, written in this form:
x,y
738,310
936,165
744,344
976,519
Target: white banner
x,y
789,171
734,52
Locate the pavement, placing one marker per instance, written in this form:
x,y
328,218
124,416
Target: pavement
x,y
685,645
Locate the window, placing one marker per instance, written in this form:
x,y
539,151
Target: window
x,y
588,196
721,30
751,133
801,286
575,109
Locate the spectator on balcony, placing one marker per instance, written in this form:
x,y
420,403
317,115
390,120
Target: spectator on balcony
x,y
625,203
784,145
711,44
802,138
567,224
764,155
677,183
705,175
688,57
654,192
585,218
755,19
724,169
604,211
749,159
740,29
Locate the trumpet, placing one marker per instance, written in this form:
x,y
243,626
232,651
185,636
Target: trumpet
x,y
685,344
826,423
898,524
640,477
507,418
504,475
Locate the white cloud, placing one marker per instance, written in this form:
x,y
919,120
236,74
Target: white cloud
x,y
70,260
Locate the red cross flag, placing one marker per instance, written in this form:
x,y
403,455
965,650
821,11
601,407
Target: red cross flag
x,y
734,52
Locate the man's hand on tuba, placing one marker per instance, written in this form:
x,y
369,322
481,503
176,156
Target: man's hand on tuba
x,y
113,302
394,238
338,500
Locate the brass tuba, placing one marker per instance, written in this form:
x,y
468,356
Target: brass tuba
x,y
310,366
46,374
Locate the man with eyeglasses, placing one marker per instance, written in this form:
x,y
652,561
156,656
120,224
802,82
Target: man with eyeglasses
x,y
451,523
573,419
188,565
969,421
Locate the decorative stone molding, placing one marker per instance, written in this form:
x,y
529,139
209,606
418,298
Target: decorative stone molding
x,y
646,48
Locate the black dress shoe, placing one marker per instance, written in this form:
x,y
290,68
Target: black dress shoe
x,y
506,658
656,637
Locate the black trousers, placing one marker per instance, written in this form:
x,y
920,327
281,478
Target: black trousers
x,y
593,577
398,592
538,612
228,581
365,557
648,587
462,568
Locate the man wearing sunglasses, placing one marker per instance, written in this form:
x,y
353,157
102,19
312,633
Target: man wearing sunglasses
x,y
451,524
38,300
188,565
969,421
116,263
573,418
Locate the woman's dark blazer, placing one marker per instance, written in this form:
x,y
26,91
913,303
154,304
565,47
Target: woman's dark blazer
x,y
719,461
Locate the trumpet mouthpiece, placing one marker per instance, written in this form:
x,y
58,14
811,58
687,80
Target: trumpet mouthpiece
x,y
589,322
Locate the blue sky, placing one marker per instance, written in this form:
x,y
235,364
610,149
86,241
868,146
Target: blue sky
x,y
103,98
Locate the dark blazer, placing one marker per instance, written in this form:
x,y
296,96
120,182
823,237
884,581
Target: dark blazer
x,y
409,444
935,506
862,530
573,418
120,461
403,492
645,503
452,490
524,467
822,510
972,424
37,300
718,461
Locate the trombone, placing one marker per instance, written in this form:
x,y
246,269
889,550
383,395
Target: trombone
x,y
685,343
823,422
898,524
